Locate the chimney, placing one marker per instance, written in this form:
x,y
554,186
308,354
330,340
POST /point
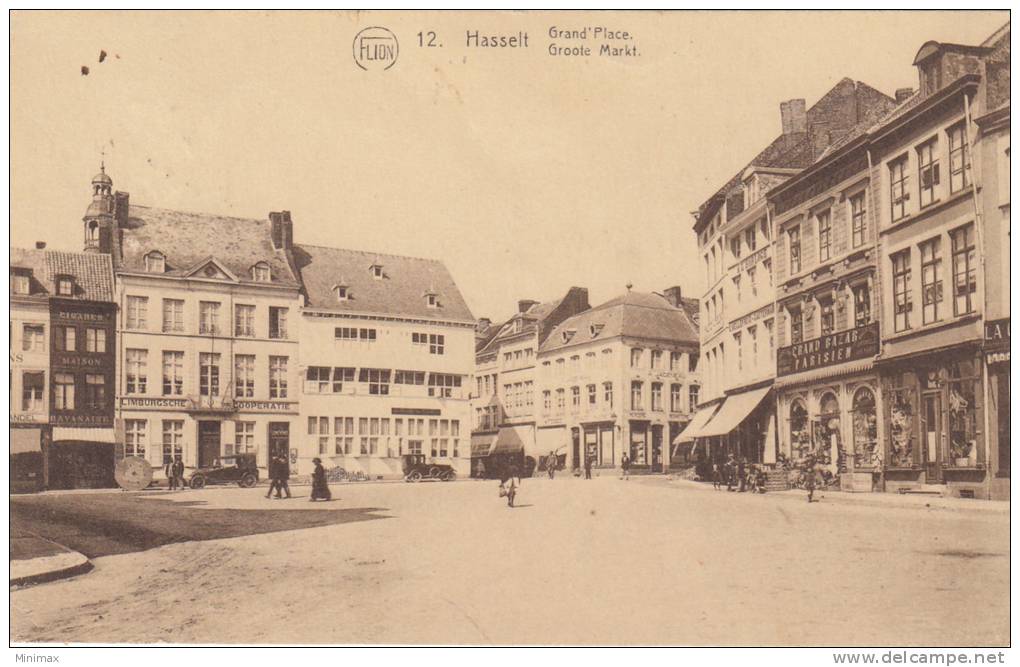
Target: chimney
x,y
902,94
794,116
524,304
483,324
673,295
40,245
281,230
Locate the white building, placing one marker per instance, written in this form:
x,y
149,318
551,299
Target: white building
x,y
387,352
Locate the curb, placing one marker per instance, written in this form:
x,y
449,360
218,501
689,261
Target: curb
x,y
31,571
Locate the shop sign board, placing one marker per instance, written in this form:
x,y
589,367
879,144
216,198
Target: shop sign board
x,y
829,350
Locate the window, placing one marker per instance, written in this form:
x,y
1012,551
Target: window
x,y
173,439
378,380
173,315
692,363
862,305
173,373
796,325
824,236
345,333
674,361
342,374
928,171
244,438
277,322
575,398
675,394
318,379
964,275
692,393
772,340
32,387
901,290
155,262
367,335
66,338
749,239
409,377
136,363
607,394
134,437
261,273
95,340
561,400
63,391
752,335
209,374
959,158
65,286
209,317
377,271
635,357
794,239
767,267
342,293
244,321
277,377
20,283
738,343
444,385
592,395
244,375
898,193
432,301
766,232
800,433
858,220
865,430
828,317
735,248
636,398
752,282
437,343
137,312
546,401
931,280
656,359
736,287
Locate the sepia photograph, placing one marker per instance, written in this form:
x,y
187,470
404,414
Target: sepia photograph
x,y
510,329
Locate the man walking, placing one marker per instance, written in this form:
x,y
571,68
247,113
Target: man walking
x,y
284,472
177,473
274,477
625,466
587,467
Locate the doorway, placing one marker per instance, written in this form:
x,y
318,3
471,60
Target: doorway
x,y
931,437
279,442
657,460
208,443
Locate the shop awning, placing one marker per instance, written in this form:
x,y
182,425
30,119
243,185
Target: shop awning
x,y
103,435
507,442
734,410
693,430
25,440
824,373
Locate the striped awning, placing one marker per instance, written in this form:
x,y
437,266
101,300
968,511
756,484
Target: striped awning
x,y
734,410
824,373
693,430
103,435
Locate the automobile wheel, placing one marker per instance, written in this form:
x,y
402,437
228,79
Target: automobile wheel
x,y
197,482
249,480
415,476
449,476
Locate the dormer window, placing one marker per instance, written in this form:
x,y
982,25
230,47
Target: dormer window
x,y
20,282
567,334
376,270
65,286
342,292
431,300
261,273
155,262
595,329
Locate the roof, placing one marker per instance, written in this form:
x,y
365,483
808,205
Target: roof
x,y
92,272
187,239
531,320
400,291
633,314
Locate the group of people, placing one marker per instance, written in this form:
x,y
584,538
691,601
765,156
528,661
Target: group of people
x,y
279,474
739,475
174,471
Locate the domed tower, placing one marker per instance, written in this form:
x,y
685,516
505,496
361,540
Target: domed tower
x,y
99,218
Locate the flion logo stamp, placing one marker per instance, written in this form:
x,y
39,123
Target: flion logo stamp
x,y
375,48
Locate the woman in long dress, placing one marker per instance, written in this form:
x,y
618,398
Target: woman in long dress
x,y
320,489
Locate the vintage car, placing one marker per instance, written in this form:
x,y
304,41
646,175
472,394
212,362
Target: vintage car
x,y
240,470
416,469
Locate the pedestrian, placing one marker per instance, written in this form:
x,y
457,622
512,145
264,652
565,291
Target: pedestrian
x,y
177,473
284,472
625,465
742,473
716,476
587,467
273,477
731,472
320,489
168,471
550,464
810,476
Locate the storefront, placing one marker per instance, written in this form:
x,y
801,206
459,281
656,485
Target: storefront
x,y
600,443
997,353
29,445
934,411
740,427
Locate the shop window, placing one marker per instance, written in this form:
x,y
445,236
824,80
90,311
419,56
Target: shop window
x,y
962,413
865,430
902,411
828,436
800,436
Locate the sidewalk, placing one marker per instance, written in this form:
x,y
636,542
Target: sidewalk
x,y
876,499
35,560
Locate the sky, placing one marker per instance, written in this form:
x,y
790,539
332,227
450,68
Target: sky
x,y
526,173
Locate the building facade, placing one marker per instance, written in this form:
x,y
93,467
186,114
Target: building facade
x,y
504,392
207,344
386,360
619,378
63,343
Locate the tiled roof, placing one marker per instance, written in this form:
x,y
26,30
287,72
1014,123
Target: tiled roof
x,y
401,290
634,314
531,322
188,238
92,272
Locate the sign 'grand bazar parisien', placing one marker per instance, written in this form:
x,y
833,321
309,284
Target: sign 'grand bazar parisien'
x,y
828,350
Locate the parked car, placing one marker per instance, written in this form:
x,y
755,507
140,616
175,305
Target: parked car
x,y
240,470
416,469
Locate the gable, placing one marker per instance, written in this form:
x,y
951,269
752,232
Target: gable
x,y
211,269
